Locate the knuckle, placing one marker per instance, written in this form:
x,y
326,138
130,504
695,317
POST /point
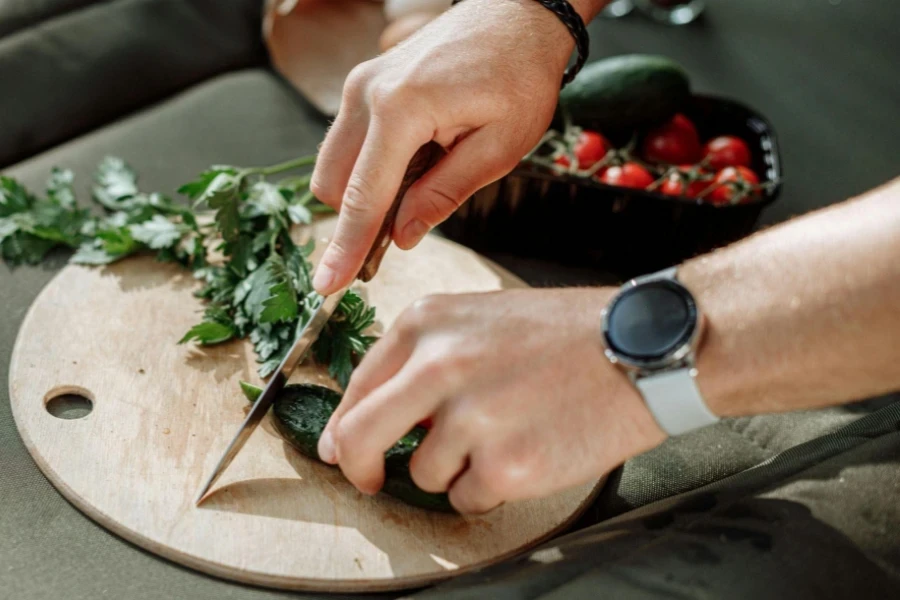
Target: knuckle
x,y
350,435
447,369
438,203
385,96
423,475
478,496
394,96
434,369
466,415
357,197
407,328
426,309
357,81
417,317
504,473
422,314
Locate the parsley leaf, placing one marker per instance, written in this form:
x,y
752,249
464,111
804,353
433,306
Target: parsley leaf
x,y
159,232
14,198
251,293
115,183
345,341
265,199
196,189
208,333
92,253
225,203
59,187
24,248
282,304
299,214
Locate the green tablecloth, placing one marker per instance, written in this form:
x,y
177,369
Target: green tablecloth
x,y
173,86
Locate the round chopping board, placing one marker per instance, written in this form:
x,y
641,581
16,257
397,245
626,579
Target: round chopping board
x,y
163,414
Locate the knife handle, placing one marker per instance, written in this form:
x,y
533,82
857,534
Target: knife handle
x,y
424,159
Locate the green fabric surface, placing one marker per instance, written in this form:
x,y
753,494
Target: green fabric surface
x,y
84,68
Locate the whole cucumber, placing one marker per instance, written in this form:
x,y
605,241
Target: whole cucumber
x,y
625,93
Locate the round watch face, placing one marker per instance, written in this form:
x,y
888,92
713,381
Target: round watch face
x,y
650,321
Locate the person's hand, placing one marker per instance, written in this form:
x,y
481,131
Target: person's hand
x,y
524,402
482,80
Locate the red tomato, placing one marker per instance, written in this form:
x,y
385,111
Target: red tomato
x,y
590,149
726,151
695,180
629,175
732,185
426,423
674,143
563,161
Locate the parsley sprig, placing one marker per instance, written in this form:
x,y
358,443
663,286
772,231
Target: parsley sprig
x,y
259,289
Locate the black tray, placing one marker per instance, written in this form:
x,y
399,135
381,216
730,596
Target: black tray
x,y
537,214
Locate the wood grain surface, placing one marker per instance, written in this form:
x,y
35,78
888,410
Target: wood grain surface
x,y
163,413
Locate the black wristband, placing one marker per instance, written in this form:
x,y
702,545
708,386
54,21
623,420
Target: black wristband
x,y
575,24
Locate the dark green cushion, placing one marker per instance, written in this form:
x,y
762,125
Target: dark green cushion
x,y
84,65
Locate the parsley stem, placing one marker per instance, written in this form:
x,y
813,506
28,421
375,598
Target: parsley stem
x,y
306,198
295,183
320,209
303,161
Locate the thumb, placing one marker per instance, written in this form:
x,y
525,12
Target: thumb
x,y
478,160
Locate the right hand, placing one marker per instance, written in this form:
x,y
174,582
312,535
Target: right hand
x,y
482,80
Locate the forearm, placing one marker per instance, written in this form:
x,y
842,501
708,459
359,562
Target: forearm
x,y
806,314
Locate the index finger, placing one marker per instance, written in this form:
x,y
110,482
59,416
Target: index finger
x,y
371,189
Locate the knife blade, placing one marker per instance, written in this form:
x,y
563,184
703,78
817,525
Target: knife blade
x,y
423,161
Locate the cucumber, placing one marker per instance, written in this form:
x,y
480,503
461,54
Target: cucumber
x,y
300,415
625,93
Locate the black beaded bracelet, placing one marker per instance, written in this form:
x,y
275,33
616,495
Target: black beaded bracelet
x,y
575,24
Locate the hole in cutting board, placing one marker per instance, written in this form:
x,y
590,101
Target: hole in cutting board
x,y
69,403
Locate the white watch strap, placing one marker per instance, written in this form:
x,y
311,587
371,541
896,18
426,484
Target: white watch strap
x,y
675,401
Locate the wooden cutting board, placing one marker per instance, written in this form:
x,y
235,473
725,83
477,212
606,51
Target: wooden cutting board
x,y
163,414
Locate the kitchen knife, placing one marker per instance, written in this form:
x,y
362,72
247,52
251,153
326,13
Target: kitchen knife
x,y
427,156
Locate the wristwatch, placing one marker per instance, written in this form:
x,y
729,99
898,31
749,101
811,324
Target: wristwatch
x,y
652,330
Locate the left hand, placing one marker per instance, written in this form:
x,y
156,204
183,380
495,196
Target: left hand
x,y
523,400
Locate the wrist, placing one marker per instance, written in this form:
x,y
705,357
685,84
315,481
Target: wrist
x,y
652,331
558,27
722,365
612,384
555,37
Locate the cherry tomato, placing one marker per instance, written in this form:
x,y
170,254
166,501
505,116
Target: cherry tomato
x,y
733,185
563,161
590,149
628,175
693,179
726,151
675,143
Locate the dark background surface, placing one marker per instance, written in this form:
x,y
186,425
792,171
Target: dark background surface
x,y
825,72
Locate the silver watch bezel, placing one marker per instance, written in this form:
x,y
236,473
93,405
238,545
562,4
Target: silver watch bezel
x,y
682,356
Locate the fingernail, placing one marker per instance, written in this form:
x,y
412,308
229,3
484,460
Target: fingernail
x,y
323,279
327,450
414,231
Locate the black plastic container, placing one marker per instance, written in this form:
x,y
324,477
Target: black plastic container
x,y
627,232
